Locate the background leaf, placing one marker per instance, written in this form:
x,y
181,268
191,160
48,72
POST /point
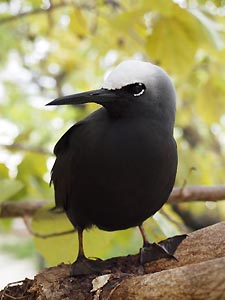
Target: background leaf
x,y
9,188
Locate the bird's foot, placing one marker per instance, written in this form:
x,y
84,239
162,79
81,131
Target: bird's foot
x,y
163,249
85,266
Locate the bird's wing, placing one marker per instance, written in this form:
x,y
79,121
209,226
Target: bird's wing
x,y
67,154
70,151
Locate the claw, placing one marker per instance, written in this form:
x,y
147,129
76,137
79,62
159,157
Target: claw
x,y
163,249
85,266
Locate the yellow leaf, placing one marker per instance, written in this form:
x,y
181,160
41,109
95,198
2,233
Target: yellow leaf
x,y
78,23
175,38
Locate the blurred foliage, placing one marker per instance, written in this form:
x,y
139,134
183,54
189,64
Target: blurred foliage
x,y
18,249
53,48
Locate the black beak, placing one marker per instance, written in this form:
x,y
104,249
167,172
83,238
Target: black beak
x,y
101,96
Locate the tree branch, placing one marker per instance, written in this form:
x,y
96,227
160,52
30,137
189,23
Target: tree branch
x,y
197,193
198,274
21,147
31,13
20,209
199,281
15,209
42,10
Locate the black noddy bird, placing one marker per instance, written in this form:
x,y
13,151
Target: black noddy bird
x,y
117,167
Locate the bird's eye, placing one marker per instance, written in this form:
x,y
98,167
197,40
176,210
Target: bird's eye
x,y
136,89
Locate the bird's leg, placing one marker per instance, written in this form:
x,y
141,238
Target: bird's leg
x,y
163,249
144,237
84,265
80,244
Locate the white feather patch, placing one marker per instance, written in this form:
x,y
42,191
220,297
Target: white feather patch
x,y
129,72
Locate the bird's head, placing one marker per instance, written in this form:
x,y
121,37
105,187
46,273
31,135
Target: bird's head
x,y
133,87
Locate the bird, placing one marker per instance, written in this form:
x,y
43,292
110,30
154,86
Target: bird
x,y
117,167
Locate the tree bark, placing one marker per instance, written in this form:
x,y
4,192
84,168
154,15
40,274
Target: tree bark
x,y
198,274
200,281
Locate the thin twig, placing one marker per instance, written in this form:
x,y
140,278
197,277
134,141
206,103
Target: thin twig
x,y
186,179
27,219
30,13
21,147
181,226
4,294
42,10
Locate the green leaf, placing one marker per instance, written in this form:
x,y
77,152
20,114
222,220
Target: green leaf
x,y
64,248
97,243
210,32
213,89
54,249
175,39
4,172
78,23
9,188
31,172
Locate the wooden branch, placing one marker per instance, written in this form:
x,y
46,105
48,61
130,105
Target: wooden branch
x,y
198,281
14,209
197,193
201,245
21,147
199,274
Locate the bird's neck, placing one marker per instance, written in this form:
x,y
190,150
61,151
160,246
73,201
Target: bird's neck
x,y
149,118
119,110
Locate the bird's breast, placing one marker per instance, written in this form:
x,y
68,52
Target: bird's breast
x,y
119,173
127,151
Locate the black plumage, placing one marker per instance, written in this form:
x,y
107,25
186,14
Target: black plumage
x,y
117,167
